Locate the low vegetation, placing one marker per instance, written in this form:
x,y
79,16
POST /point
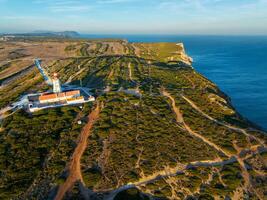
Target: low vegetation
x,y
137,140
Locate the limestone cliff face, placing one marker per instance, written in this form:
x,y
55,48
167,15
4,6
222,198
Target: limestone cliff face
x,y
184,57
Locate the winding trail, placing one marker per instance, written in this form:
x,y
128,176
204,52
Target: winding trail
x,y
74,166
179,116
192,83
244,171
130,71
209,117
168,172
110,75
74,75
180,120
221,123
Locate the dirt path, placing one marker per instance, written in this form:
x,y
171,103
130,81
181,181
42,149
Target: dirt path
x,y
16,75
137,50
130,71
180,120
4,110
80,70
221,123
74,167
245,174
179,116
110,75
206,140
137,164
167,173
74,75
244,171
192,83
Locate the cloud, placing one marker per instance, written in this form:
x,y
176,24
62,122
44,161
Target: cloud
x,y
64,5
69,8
188,16
114,1
8,17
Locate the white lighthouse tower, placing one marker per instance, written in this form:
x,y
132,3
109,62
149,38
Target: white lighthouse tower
x,y
56,84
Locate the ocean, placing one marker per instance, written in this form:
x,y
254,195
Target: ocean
x,y
237,64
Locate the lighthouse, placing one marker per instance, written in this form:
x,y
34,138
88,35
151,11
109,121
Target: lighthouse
x,y
56,84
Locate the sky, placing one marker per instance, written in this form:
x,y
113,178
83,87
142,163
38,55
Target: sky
x,y
197,17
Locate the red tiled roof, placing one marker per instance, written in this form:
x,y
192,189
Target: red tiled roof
x,y
47,97
62,94
75,99
73,92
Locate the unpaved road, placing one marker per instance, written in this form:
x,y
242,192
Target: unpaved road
x,y
168,172
130,71
74,166
179,117
219,122
180,120
74,75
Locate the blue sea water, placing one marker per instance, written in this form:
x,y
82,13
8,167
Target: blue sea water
x,y
237,64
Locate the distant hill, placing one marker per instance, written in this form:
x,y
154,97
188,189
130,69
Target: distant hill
x,y
65,34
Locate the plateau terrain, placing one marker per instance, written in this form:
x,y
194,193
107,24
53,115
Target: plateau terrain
x,y
157,130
